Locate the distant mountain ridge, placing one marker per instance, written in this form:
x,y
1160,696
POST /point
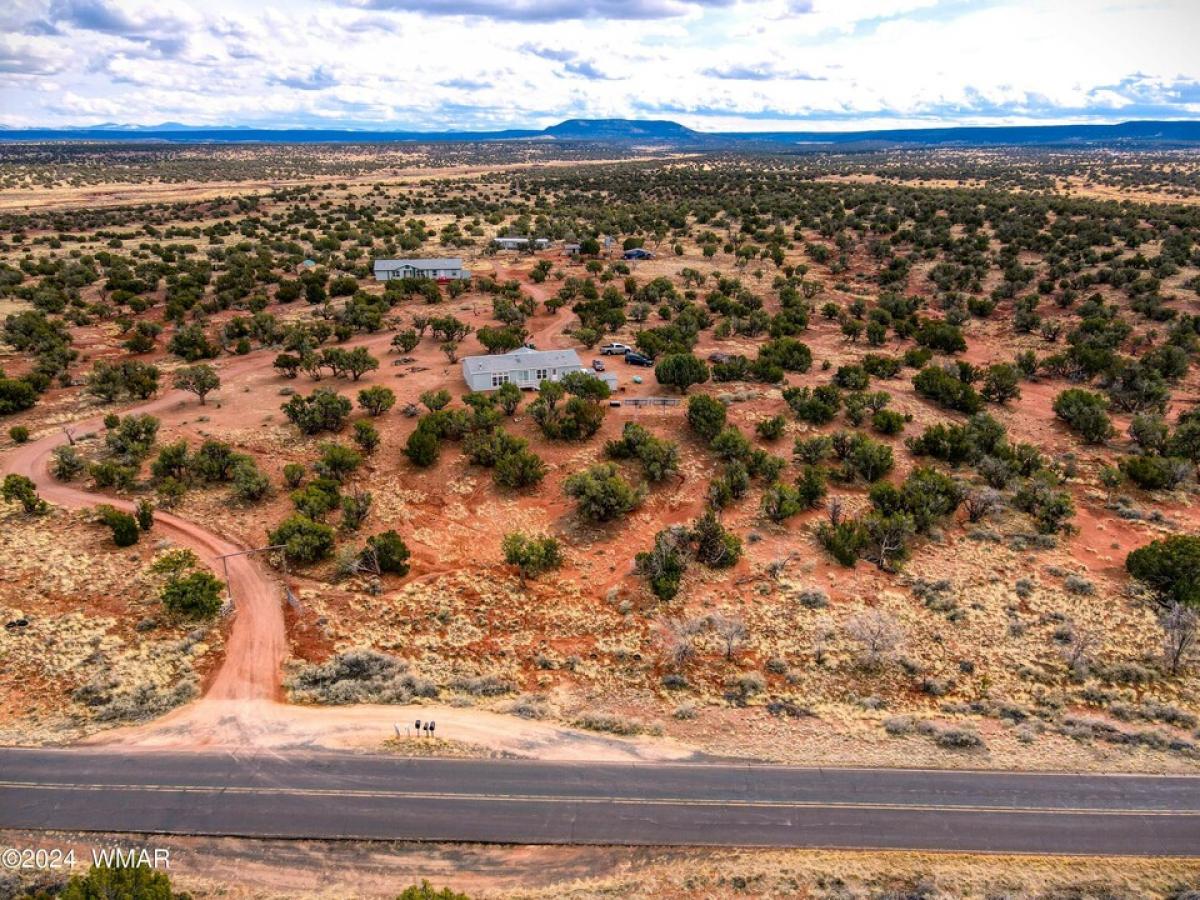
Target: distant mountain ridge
x,y
659,132
621,129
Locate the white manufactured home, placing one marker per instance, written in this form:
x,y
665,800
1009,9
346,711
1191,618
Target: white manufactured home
x,y
520,243
525,368
447,269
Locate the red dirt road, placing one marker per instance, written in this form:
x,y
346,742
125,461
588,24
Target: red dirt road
x,y
243,705
257,644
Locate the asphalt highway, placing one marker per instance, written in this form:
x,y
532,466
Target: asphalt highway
x,y
334,796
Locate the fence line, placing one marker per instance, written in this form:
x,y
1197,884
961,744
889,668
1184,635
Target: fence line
x,y
651,401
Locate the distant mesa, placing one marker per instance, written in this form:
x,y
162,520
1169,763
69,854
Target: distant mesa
x,y
665,133
622,130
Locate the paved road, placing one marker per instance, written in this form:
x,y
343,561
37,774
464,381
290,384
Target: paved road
x,y
308,795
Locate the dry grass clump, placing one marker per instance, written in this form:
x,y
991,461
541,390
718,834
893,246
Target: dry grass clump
x,y
359,676
610,723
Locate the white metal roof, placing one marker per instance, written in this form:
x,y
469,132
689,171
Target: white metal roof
x,y
388,265
523,358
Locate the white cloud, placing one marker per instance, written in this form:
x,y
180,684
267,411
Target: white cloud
x,y
711,64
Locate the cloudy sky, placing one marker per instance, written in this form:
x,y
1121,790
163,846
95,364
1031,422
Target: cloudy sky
x,y
715,65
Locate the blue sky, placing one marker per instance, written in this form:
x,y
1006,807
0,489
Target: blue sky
x,y
710,64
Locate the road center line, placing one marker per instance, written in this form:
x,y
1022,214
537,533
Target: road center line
x,y
567,798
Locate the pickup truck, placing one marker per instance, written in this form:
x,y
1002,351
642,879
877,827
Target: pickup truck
x,y
615,349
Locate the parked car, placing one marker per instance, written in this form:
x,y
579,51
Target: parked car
x,y
719,358
636,359
638,253
597,365
615,349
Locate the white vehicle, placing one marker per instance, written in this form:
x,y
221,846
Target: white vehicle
x,y
615,349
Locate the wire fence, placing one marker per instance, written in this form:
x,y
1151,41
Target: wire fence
x,y
650,401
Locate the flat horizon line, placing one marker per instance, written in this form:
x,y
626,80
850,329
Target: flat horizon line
x,y
118,128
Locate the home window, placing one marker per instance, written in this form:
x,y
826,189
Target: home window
x,y
542,374
499,378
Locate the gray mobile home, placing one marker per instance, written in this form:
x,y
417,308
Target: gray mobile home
x,y
446,269
520,243
525,368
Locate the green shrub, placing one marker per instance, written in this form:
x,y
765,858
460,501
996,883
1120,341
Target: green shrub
x,y
125,531
317,499
1153,473
130,882
843,541
422,447
1001,383
337,462
1170,567
861,456
681,371
706,416
926,496
250,483
888,421
366,435
129,378
715,547
771,429
817,406
582,414
1049,506
812,450
19,489
663,566
304,541
323,410
780,502
67,463
935,383
132,439
940,336
144,513
376,399
214,461
508,396
386,553
1086,413
732,484
193,344
602,494
879,366
435,400
731,444
659,457
810,487
426,891
851,378
532,555
196,596
518,470
16,395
